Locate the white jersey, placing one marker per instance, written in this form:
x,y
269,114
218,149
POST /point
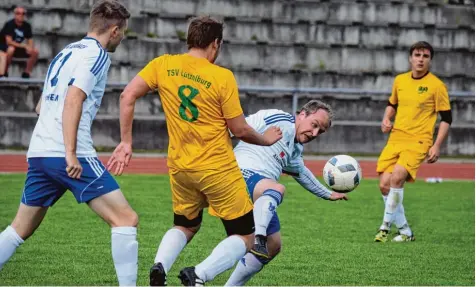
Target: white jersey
x,y
83,64
283,156
270,161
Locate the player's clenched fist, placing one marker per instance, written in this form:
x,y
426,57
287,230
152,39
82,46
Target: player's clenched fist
x,y
272,135
73,167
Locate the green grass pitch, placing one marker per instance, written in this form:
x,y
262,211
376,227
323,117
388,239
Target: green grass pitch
x,y
324,243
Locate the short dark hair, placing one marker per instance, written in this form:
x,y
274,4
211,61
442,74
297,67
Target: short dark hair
x,y
107,13
422,45
203,31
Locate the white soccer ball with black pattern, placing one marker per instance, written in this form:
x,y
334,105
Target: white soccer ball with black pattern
x,y
342,173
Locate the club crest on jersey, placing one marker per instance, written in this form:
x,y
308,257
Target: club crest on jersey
x,y
280,158
422,89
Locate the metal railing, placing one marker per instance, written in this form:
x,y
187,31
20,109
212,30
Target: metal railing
x,y
296,92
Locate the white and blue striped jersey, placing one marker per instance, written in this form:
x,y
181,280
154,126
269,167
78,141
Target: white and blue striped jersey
x,y
83,64
283,156
270,161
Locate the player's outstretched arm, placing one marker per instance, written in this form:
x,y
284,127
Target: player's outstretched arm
x,y
242,130
123,153
73,106
307,180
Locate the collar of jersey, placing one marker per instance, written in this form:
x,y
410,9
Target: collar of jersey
x,y
427,72
91,38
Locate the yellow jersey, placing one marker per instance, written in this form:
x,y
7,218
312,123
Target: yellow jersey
x,y
419,101
197,97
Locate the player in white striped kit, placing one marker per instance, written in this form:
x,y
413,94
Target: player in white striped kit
x,y
262,167
61,155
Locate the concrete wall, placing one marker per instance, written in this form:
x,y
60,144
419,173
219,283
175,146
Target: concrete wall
x,y
356,128
281,43
278,37
151,134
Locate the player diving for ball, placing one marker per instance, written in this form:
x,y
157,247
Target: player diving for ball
x,y
261,168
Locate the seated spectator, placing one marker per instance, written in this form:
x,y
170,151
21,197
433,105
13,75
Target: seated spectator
x,y
12,42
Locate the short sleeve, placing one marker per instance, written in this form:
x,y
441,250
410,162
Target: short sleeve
x,y
88,70
230,99
442,100
28,32
256,121
8,30
150,72
394,96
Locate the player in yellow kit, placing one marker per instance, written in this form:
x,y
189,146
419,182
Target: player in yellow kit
x,y
201,104
417,97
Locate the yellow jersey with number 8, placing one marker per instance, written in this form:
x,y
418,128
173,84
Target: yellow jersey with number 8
x,y
197,97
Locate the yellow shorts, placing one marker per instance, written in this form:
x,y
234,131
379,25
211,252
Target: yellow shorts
x,y
223,191
408,155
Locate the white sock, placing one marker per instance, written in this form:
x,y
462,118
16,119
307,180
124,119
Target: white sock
x,y
170,247
125,249
9,242
393,199
245,269
384,197
223,257
264,209
400,219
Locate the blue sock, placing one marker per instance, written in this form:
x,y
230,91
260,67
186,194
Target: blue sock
x,y
264,209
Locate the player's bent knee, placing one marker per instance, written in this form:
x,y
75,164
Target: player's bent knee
x,y
398,179
249,240
134,219
125,218
280,188
191,224
384,187
189,231
193,229
243,225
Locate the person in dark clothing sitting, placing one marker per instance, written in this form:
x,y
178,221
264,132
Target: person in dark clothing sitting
x,y
17,41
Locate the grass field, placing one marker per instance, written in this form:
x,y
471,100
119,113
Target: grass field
x,y
324,243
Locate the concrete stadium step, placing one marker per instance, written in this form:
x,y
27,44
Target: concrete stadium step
x,y
335,58
22,98
273,30
343,137
427,12
259,76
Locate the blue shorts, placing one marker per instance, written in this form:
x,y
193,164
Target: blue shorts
x,y
47,180
251,179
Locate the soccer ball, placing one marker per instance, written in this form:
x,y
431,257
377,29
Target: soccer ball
x,y
342,173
